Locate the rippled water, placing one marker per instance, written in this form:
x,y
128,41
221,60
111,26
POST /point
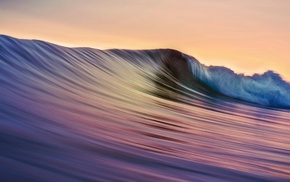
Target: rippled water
x,y
89,115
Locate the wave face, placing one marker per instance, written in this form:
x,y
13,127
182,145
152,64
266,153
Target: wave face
x,y
82,114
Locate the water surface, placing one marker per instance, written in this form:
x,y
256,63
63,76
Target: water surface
x,y
118,115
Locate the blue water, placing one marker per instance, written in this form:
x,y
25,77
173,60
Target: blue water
x,y
82,114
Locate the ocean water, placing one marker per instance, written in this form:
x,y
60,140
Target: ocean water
x,y
82,114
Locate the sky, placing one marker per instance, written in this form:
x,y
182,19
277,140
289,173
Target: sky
x,y
248,36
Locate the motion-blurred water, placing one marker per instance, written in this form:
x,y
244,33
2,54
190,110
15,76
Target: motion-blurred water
x,y
89,115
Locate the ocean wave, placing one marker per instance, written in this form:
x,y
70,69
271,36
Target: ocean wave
x,y
267,89
83,114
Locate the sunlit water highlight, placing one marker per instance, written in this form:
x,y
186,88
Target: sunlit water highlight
x,y
89,115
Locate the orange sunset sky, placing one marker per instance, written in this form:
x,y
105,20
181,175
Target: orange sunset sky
x,y
247,36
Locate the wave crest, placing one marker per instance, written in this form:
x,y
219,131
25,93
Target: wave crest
x,y
266,89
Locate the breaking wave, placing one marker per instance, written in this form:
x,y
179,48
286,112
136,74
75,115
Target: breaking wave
x,y
266,89
83,114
